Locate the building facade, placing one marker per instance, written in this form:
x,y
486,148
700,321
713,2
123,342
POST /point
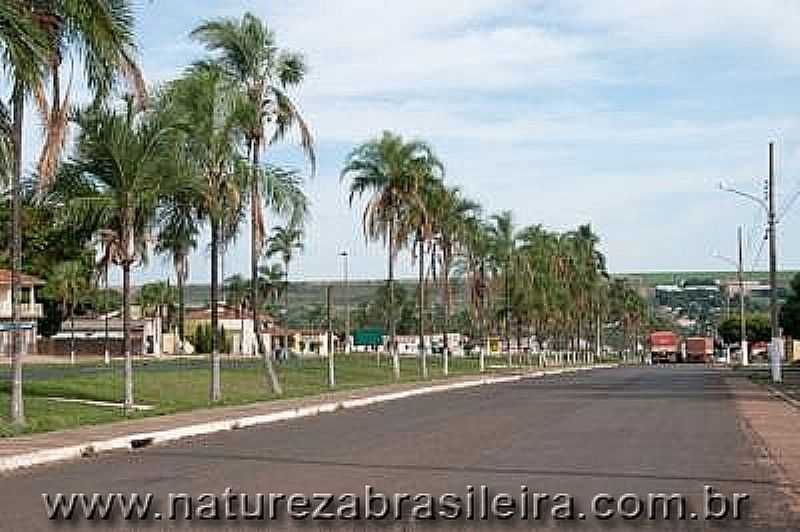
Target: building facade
x,y
28,310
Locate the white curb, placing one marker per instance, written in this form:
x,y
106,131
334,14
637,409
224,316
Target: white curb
x,y
131,440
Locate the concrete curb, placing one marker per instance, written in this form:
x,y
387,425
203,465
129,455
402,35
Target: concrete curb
x,y
137,440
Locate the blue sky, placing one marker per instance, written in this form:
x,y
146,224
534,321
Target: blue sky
x,y
619,113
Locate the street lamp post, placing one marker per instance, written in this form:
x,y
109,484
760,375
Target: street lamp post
x,y
740,278
346,256
776,351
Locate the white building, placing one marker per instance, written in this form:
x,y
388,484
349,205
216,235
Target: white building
x,y
28,309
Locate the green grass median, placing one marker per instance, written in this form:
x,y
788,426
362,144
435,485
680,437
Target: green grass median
x,y
171,386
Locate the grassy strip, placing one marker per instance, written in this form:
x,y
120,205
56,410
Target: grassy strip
x,y
180,386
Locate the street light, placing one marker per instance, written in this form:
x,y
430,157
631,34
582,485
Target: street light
x,y
739,265
346,256
776,354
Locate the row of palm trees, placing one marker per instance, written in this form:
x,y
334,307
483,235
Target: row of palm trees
x,y
526,282
149,171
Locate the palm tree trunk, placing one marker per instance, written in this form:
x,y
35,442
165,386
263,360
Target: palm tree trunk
x,y
392,321
286,308
126,334
17,404
181,305
215,393
446,301
255,203
106,352
72,335
421,325
507,314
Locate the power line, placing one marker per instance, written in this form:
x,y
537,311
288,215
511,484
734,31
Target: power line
x,y
758,255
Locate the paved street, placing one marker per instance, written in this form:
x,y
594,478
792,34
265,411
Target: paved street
x,y
637,430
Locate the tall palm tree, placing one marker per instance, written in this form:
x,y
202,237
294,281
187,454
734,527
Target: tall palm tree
x,y
388,169
503,242
284,242
452,213
416,224
68,282
177,238
247,51
24,48
210,112
117,166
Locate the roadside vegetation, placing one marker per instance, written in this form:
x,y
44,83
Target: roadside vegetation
x,y
182,385
147,170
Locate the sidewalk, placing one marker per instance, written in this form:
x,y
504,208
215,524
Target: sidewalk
x,y
773,422
26,451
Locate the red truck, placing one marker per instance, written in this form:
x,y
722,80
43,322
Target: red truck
x,y
665,346
699,349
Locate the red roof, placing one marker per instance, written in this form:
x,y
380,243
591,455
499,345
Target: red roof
x,y
25,280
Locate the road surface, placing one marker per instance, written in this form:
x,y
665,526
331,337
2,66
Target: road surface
x,y
612,432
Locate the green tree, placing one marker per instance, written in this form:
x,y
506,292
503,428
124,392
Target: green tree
x,y
68,284
284,242
757,328
247,51
117,189
790,311
177,237
451,216
24,48
392,172
214,174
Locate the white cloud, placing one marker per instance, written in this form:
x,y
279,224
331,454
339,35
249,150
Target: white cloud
x,y
689,23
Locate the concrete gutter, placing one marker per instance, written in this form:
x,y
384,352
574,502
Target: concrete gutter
x,y
144,439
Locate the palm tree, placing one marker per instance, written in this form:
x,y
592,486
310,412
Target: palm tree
x,y
390,170
101,34
237,290
450,218
473,264
117,168
24,48
270,283
246,50
154,299
177,237
416,224
503,243
67,284
285,240
210,112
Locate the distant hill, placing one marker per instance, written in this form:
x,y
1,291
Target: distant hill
x,y
360,291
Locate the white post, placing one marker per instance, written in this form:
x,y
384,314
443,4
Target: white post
x,y
445,358
776,357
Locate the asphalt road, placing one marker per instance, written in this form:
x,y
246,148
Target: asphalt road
x,y
637,430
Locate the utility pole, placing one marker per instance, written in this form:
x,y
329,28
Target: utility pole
x,y
776,347
742,323
329,340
